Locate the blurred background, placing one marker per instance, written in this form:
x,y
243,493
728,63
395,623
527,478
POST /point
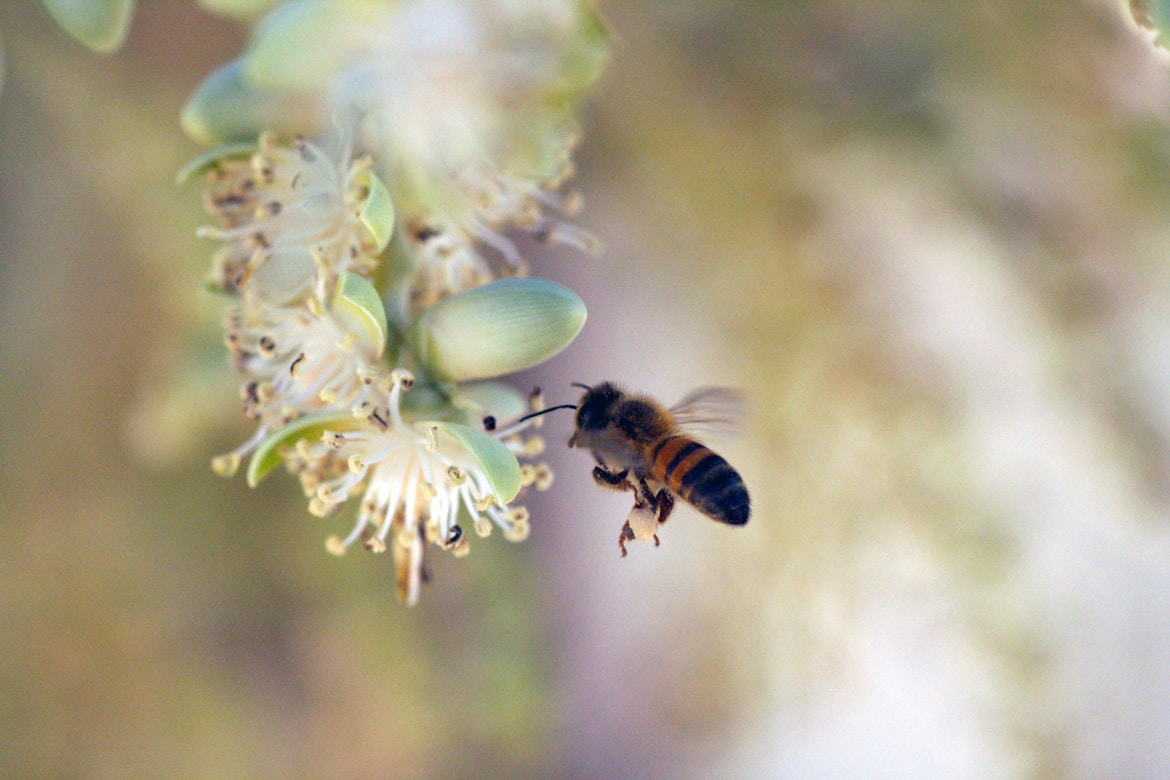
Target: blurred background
x,y
928,239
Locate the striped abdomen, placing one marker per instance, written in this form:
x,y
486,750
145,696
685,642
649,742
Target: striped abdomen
x,y
701,478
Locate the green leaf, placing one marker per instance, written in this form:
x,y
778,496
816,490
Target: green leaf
x,y
378,213
358,307
496,329
211,158
101,25
268,455
498,463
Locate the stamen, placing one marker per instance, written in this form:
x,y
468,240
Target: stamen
x,y
226,465
517,532
407,536
292,369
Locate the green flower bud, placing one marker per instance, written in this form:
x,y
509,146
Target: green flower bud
x,y
492,399
227,107
496,329
101,25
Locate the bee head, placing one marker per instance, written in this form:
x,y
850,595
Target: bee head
x,y
595,407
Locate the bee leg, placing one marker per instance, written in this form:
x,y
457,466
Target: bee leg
x,y
656,542
648,498
665,507
626,533
608,479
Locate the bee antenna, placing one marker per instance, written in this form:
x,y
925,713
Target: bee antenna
x,y
546,411
578,384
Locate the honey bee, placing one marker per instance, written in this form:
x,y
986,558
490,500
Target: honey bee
x,y
641,446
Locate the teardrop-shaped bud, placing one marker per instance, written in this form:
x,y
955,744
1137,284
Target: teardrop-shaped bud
x,y
227,107
491,399
497,328
302,45
101,25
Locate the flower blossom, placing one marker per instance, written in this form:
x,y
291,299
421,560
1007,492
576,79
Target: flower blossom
x,y
416,481
298,360
291,217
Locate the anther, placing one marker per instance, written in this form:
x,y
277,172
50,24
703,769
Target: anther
x,y
402,378
267,347
334,546
226,465
453,537
407,536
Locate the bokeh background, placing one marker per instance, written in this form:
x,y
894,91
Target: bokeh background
x,y
928,239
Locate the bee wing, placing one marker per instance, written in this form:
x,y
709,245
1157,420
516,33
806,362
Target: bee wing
x,y
715,409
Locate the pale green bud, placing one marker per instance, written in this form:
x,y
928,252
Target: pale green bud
x,y
496,329
227,107
491,399
101,25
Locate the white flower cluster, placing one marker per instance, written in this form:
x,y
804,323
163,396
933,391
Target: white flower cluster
x,y
357,277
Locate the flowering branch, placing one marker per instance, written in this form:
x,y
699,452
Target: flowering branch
x,y
371,269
